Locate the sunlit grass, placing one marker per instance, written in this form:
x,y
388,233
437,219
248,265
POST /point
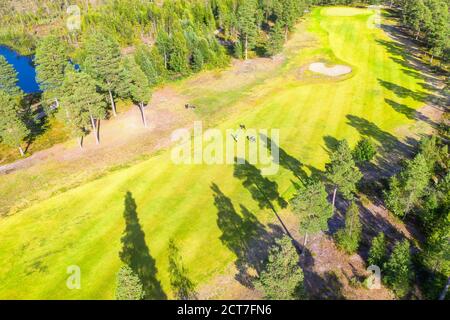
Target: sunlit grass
x,y
83,226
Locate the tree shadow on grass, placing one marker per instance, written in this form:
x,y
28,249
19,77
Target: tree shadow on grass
x,y
135,252
391,148
285,159
331,144
263,190
410,113
403,92
244,235
182,287
391,152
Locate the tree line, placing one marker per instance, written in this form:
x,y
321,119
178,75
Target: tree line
x,y
82,73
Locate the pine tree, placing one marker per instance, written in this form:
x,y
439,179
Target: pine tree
x,y
178,54
103,63
13,129
437,30
8,79
129,286
311,204
349,237
414,13
247,26
81,104
163,43
410,185
343,172
276,40
51,61
398,269
282,277
286,12
151,64
138,85
378,251
364,151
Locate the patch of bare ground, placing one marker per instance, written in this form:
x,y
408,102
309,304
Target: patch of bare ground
x,y
123,140
332,274
226,287
125,132
238,75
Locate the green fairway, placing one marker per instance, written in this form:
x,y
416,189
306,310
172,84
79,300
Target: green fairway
x,y
188,203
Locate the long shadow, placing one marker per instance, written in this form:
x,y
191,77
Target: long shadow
x,y
387,141
331,144
410,113
182,286
286,160
263,190
403,92
406,51
244,235
135,252
36,127
391,152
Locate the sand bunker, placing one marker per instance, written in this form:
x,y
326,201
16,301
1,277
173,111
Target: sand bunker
x,y
336,71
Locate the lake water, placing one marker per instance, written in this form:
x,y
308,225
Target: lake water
x,y
24,67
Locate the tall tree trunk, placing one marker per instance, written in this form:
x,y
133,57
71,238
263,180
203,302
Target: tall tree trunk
x,y
444,292
305,240
113,105
246,47
80,142
144,120
21,151
165,59
286,32
334,198
94,127
408,206
432,57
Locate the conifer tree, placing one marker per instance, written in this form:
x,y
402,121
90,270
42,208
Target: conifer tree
x,y
139,87
51,61
13,129
81,104
129,286
247,26
103,63
151,64
276,40
378,251
282,277
348,238
312,206
398,269
408,187
343,172
8,79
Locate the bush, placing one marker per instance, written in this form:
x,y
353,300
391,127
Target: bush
x,y
364,151
129,286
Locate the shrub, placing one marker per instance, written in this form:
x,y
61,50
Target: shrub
x,y
364,151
